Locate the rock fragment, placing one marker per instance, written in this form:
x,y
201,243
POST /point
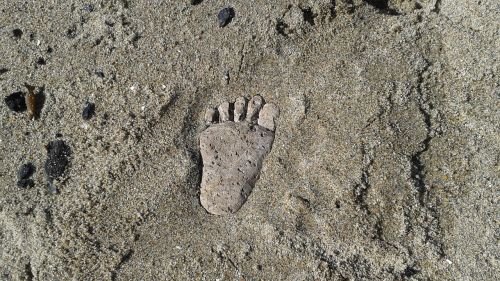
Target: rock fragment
x,y
17,33
88,111
16,102
24,174
58,153
225,16
88,8
26,171
25,183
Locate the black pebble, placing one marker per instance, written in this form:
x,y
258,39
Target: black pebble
x,y
225,16
88,111
88,8
196,2
17,33
410,271
57,159
26,171
25,183
16,102
41,61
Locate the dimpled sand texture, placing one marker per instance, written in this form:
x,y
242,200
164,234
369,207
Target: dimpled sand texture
x,y
233,150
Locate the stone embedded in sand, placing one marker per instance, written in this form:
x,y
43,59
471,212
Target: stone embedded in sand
x,y
17,33
26,171
25,183
232,154
88,111
225,16
16,102
58,153
23,175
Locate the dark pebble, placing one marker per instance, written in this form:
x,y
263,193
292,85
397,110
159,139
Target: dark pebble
x,y
16,102
25,183
88,111
41,61
225,16
26,171
58,153
17,33
88,8
196,2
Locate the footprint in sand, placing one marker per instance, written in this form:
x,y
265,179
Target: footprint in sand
x,y
233,148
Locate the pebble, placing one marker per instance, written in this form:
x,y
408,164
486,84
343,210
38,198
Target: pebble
x,y
88,8
16,102
225,16
58,153
88,111
25,183
26,171
17,33
41,61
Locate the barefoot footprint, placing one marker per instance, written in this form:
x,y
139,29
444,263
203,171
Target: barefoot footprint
x,y
232,150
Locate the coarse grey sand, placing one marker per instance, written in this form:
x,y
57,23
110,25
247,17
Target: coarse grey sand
x,y
384,164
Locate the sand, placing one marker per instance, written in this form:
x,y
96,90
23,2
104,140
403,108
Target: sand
x,y
385,163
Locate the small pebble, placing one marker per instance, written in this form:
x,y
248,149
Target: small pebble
x,y
225,16
41,61
25,183
17,33
26,171
196,2
16,102
58,153
88,111
88,8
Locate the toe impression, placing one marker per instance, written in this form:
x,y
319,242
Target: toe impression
x,y
253,107
224,112
239,108
209,116
267,116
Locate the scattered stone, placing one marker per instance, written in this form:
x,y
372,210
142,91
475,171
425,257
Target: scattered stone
x,y
88,8
196,2
58,153
41,61
17,33
25,183
26,171
100,74
225,16
88,111
16,102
